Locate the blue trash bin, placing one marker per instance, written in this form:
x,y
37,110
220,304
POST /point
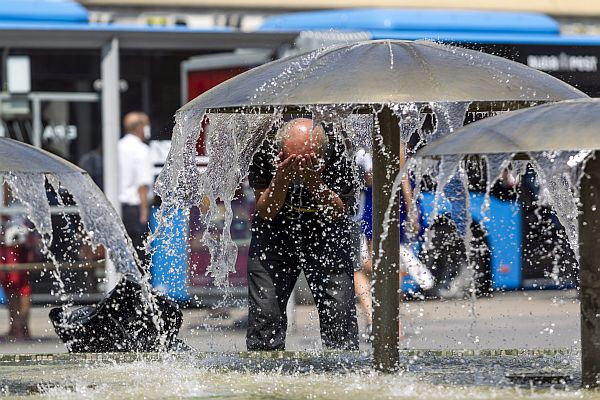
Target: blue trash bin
x,y
169,259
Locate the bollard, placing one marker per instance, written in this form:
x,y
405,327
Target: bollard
x,y
386,278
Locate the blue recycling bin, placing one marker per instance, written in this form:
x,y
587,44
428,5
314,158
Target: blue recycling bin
x,y
169,258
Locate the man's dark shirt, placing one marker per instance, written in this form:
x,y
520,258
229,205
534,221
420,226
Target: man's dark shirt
x,y
300,218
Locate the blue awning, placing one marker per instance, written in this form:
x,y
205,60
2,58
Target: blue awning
x,y
438,25
416,20
46,11
482,38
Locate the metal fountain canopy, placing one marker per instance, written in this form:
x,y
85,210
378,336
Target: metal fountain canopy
x,y
385,72
566,125
16,156
20,157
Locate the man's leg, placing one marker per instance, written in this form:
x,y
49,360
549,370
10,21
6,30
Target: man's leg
x,y
362,288
24,291
362,284
136,230
18,306
331,282
270,284
18,295
24,308
13,313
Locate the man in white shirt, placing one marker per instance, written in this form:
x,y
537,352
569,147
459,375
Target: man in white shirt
x,y
135,177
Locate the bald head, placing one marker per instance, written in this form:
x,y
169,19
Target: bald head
x,y
134,123
299,137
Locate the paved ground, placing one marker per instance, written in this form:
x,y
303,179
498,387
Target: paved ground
x,y
541,319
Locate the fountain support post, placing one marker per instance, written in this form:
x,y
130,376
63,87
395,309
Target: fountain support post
x,y
589,272
111,132
386,263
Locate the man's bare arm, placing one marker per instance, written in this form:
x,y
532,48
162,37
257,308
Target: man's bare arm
x,y
144,206
270,200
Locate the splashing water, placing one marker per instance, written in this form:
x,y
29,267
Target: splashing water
x,y
231,140
101,225
411,120
235,138
293,376
30,189
359,129
558,189
558,174
449,117
100,221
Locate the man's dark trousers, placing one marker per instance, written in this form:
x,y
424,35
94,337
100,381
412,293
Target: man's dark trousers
x,y
135,229
271,280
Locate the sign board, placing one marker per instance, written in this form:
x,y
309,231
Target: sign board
x,y
18,74
60,132
576,65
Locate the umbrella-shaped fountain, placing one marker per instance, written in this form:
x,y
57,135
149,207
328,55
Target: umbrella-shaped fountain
x,y
552,128
391,82
27,170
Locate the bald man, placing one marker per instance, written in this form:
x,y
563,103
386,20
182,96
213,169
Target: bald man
x,y
135,178
304,199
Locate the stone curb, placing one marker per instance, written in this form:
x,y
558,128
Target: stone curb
x,y
40,359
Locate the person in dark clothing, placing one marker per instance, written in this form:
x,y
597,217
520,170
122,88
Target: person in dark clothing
x,y
92,163
304,190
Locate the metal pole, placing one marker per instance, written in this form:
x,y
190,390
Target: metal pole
x,y
589,273
111,114
386,263
111,132
2,195
37,121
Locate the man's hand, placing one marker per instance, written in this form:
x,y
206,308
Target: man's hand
x,y
286,169
310,171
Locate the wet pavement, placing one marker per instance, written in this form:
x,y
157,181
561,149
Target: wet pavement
x,y
525,320
291,375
